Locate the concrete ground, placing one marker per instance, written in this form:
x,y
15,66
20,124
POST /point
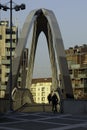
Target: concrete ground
x,y
42,121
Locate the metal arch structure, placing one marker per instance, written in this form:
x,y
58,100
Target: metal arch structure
x,y
42,20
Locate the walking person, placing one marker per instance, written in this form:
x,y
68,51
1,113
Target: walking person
x,y
54,102
49,98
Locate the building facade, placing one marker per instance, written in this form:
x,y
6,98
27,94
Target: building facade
x,y
40,89
77,64
5,56
5,52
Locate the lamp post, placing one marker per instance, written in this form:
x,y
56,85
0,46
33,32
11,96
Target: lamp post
x,y
16,8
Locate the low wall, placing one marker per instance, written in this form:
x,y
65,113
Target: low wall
x,y
21,97
74,106
36,108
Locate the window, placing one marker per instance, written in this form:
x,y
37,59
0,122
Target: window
x,y
7,74
8,31
14,40
8,57
38,89
0,71
38,99
43,88
6,83
70,71
43,98
0,37
7,40
43,93
13,32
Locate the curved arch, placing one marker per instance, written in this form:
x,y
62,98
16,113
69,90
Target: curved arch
x,y
43,20
38,28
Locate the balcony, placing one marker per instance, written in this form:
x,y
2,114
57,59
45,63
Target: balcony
x,y
79,86
3,87
8,53
19,79
5,62
6,79
8,45
8,36
7,70
82,75
75,66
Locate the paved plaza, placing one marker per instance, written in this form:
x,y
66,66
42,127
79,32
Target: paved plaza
x,y
42,121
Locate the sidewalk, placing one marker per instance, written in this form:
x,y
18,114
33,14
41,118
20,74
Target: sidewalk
x,y
42,121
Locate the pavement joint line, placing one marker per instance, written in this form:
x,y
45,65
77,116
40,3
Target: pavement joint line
x,y
42,116
15,122
25,114
17,117
8,128
69,127
26,120
74,119
10,114
37,114
78,116
19,120
31,113
51,117
51,123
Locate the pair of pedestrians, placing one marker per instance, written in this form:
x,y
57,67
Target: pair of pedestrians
x,y
52,98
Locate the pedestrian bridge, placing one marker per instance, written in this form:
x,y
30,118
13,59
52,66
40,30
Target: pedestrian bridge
x,y
69,106
41,20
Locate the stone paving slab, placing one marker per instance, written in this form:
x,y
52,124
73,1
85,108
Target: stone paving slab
x,y
43,121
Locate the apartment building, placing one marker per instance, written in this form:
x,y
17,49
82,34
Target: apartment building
x,y
5,56
77,64
40,89
5,51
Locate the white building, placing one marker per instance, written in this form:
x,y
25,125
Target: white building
x,y
40,89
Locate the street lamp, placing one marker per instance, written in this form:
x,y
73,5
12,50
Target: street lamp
x,y
16,8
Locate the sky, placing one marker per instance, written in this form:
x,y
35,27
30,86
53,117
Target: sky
x,y
72,19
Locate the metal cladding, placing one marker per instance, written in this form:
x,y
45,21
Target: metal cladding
x,y
43,20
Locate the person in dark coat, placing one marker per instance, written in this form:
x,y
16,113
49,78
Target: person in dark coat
x,y
49,98
54,99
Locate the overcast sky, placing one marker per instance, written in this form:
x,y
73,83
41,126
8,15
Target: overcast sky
x,y
72,19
